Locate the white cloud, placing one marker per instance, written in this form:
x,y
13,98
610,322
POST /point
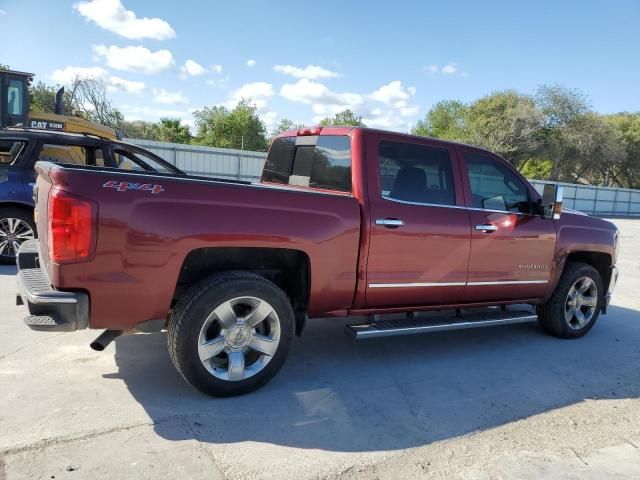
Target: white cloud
x,y
218,82
392,92
3,11
386,107
169,98
217,68
306,91
117,84
257,92
152,113
111,15
135,59
251,63
450,68
269,119
191,68
69,74
312,72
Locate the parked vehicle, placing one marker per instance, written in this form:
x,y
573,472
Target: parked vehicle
x,y
346,221
21,148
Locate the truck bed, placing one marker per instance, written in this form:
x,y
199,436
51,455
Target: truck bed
x,y
149,223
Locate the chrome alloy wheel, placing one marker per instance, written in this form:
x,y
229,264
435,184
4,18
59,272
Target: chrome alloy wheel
x,y
13,232
239,338
581,303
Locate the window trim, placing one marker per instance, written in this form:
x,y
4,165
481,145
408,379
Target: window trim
x,y
454,170
459,207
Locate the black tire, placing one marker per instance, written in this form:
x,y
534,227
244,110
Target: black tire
x,y
191,313
551,315
21,214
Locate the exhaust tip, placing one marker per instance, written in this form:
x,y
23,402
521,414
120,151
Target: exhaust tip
x,y
97,346
104,339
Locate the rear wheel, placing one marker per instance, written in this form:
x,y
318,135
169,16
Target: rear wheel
x,y
575,305
16,226
230,334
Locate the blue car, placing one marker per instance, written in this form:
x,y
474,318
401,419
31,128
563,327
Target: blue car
x,y
21,148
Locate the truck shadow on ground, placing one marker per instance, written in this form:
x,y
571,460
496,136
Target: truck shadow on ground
x,y
385,394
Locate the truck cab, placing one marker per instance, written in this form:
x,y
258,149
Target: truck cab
x,y
14,97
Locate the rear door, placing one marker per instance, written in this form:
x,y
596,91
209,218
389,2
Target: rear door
x,y
419,227
512,249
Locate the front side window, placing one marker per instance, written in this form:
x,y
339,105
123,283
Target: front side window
x,y
416,173
494,186
10,150
322,162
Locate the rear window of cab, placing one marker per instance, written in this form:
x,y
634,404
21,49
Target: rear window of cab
x,y
321,161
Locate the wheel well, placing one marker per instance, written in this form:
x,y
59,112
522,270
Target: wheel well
x,y
289,269
600,261
22,206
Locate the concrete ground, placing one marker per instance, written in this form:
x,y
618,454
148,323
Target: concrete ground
x,y
503,402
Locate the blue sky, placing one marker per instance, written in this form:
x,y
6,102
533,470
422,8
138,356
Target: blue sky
x,y
388,61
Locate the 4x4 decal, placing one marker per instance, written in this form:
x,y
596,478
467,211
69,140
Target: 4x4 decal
x,y
124,186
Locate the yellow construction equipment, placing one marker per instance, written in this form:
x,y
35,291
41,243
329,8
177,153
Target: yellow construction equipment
x,y
15,111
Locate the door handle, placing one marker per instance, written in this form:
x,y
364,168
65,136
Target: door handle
x,y
389,222
486,228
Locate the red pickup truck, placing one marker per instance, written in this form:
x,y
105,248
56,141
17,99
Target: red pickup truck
x,y
345,222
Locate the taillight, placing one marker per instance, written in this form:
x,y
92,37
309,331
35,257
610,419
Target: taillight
x,y
71,227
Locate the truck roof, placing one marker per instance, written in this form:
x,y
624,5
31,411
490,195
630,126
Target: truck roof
x,y
346,130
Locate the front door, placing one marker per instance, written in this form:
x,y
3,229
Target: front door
x,y
419,227
512,249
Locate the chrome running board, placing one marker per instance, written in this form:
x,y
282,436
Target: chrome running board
x,y
443,322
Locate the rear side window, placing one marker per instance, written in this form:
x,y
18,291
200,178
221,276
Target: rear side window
x,y
322,162
494,186
72,154
126,160
10,150
416,173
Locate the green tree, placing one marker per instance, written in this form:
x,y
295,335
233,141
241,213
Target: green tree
x,y
447,119
140,129
538,168
507,123
238,128
42,98
628,127
562,131
284,125
171,130
344,118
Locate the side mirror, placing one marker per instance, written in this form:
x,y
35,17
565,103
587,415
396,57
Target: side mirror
x,y
552,201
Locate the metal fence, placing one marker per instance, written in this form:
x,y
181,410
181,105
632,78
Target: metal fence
x,y
208,161
600,201
247,166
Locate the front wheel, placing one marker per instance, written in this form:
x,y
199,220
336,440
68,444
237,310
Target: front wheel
x,y
575,304
230,333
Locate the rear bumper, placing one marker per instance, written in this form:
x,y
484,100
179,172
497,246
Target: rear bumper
x,y
612,286
49,309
